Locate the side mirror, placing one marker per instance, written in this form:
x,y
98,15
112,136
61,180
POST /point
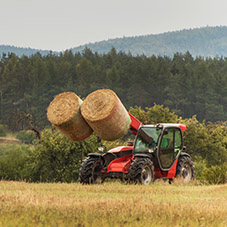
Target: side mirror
x,y
98,140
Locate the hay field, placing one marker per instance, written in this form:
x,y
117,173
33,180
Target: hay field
x,y
112,204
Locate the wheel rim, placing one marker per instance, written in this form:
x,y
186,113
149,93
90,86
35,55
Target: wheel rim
x,y
146,175
186,172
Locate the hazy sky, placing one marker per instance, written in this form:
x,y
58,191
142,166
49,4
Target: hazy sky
x,y
62,24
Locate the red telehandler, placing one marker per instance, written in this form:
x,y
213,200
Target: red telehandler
x,y
156,153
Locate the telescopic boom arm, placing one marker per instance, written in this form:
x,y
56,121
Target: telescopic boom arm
x,y
135,124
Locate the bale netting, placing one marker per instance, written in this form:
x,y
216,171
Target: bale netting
x,y
64,113
106,115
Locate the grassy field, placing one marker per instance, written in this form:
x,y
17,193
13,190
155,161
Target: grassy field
x,y
112,204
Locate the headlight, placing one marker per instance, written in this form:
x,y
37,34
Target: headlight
x,y
101,149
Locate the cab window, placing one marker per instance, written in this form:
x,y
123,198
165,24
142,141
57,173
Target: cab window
x,y
171,143
147,139
178,139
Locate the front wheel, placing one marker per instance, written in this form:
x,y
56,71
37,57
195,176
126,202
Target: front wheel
x,y
185,169
141,171
90,170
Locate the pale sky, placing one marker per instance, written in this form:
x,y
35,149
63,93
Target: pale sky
x,y
63,24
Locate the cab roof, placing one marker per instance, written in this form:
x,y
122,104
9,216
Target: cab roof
x,y
168,125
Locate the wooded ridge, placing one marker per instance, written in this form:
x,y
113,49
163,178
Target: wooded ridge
x,y
205,42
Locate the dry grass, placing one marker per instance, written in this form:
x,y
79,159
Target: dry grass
x,y
112,204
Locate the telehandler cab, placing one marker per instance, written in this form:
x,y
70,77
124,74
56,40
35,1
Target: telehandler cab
x,y
158,152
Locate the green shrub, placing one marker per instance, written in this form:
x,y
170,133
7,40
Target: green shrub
x,y
3,130
206,141
26,136
52,159
154,114
12,161
56,159
200,167
215,174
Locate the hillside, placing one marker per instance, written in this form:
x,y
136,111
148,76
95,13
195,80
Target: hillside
x,y
19,51
206,42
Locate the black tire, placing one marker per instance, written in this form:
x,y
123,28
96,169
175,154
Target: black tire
x,y
141,171
185,169
90,170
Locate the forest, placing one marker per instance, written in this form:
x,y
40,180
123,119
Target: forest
x,y
187,86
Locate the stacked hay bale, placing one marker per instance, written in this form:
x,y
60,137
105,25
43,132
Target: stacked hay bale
x,y
106,115
64,113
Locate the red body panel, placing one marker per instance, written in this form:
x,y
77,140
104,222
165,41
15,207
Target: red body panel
x,y
172,171
166,174
158,173
123,163
120,148
120,164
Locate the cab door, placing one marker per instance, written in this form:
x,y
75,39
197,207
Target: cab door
x,y
169,147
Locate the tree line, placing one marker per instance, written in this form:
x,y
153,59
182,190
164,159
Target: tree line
x,y
188,86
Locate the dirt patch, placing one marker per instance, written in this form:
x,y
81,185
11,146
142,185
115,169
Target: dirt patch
x,y
8,140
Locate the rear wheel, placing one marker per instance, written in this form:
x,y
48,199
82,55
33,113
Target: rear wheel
x,y
185,169
90,170
141,171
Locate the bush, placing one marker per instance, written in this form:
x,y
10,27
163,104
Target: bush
x,y
26,136
154,114
206,141
200,167
3,130
12,161
215,174
57,159
52,159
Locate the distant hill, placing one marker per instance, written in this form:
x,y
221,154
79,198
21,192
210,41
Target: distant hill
x,y
19,51
206,42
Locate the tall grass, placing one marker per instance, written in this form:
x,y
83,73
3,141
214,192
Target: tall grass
x,y
112,204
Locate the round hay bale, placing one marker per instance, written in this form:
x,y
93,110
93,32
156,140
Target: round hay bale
x,y
64,113
106,115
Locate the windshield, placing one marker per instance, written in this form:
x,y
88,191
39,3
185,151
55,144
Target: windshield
x,y
147,139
